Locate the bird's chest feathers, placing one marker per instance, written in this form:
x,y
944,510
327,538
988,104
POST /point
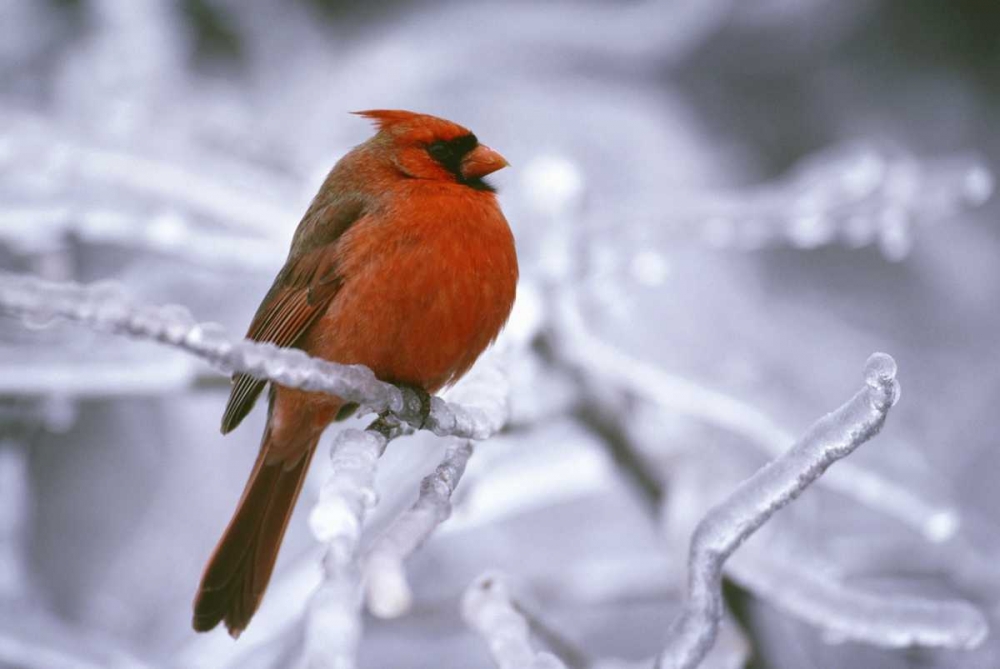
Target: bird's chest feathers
x,y
428,295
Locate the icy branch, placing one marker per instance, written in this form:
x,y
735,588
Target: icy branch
x,y
727,525
104,307
846,613
333,618
388,592
855,194
37,147
30,228
581,349
487,608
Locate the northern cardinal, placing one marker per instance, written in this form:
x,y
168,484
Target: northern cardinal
x,y
404,263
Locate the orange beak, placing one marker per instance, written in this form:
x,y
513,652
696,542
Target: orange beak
x,y
481,161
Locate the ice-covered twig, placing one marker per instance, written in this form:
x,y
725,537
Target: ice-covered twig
x,y
34,145
388,592
487,608
32,227
654,31
855,194
333,617
731,651
577,347
845,613
104,307
730,523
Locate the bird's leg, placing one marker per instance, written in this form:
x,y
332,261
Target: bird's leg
x,y
389,425
425,402
386,425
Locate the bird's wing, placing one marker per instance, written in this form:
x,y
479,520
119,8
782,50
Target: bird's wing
x,y
303,289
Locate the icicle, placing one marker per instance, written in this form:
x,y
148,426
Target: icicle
x,y
388,592
333,616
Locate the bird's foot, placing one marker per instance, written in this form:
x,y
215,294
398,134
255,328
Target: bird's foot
x,y
386,424
423,397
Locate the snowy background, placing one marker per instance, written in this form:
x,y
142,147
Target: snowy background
x,y
722,209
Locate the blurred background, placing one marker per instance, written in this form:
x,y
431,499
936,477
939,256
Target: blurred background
x,y
721,209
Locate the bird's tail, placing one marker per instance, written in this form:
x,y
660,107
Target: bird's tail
x,y
240,568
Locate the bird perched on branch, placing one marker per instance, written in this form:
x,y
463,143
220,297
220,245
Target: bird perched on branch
x,y
403,263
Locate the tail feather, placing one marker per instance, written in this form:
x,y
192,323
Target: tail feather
x,y
240,568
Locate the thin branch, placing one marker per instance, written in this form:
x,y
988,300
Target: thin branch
x,y
104,307
487,608
32,140
855,194
31,227
388,592
844,612
333,617
730,523
578,348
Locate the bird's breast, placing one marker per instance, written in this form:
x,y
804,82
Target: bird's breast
x,y
428,285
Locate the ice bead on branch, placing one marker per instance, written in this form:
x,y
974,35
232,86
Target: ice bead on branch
x,y
776,484
333,616
388,592
104,307
487,608
846,613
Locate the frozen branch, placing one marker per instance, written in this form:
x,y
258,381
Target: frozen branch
x,y
388,592
104,307
730,523
577,347
29,228
848,614
855,194
36,148
333,617
650,31
487,608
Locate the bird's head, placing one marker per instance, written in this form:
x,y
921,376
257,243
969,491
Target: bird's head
x,y
428,147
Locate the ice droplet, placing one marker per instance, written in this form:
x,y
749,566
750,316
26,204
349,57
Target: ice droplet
x,y
879,368
880,375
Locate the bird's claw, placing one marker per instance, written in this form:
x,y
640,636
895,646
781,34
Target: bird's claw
x,y
425,404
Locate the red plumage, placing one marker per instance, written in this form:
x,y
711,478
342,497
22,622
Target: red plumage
x,y
403,263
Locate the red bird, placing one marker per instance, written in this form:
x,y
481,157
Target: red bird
x,y
403,263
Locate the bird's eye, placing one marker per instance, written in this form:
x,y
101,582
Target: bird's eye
x,y
441,151
449,153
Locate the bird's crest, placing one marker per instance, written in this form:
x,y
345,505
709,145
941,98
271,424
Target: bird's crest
x,y
386,118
